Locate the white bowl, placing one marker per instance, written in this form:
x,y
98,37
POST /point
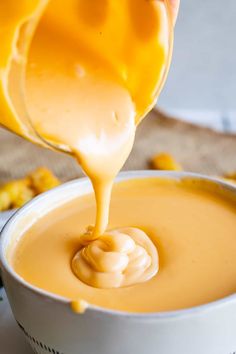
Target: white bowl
x,y
5,216
51,327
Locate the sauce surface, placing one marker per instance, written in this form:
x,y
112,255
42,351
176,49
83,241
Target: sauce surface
x,y
192,226
86,65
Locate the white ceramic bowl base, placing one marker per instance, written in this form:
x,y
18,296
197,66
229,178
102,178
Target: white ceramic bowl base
x,y
51,327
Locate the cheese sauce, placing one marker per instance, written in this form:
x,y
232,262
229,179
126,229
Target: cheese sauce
x,y
192,226
81,75
85,69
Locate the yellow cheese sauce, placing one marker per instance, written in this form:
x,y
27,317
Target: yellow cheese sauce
x,y
193,226
80,76
120,257
86,65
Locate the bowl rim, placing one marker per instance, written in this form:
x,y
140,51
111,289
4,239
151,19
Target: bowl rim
x,y
6,232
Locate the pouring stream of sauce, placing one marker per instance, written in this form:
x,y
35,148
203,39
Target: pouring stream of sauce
x,y
92,102
94,69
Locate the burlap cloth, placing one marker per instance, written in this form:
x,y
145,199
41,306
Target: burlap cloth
x,y
198,149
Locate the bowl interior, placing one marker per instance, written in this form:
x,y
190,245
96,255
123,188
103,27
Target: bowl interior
x,y
25,217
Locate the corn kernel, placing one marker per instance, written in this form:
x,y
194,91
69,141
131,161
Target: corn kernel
x,y
165,162
42,180
231,176
5,200
14,194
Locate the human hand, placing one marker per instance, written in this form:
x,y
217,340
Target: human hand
x,y
174,8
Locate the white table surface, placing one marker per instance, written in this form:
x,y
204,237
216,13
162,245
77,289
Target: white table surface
x,y
11,339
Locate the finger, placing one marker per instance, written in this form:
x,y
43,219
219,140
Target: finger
x,y
174,8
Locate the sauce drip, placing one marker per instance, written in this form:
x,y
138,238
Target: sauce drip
x,y
85,93
81,75
120,257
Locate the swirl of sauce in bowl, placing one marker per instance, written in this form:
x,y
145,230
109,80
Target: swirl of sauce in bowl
x,y
118,258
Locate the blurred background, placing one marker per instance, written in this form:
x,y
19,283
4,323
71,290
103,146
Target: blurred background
x,y
203,70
